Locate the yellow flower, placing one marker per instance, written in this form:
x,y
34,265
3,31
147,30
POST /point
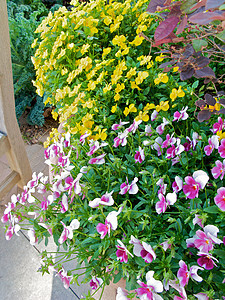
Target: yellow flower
x,y
48,100
160,58
117,97
125,51
131,73
180,93
101,134
142,116
107,88
54,115
173,94
141,28
119,87
107,20
163,106
84,48
137,41
114,26
162,77
221,135
134,86
70,46
149,106
129,109
91,85
106,51
34,43
175,69
141,76
114,108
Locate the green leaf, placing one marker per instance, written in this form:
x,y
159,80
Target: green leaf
x,y
222,7
195,84
186,5
221,35
118,277
199,44
212,209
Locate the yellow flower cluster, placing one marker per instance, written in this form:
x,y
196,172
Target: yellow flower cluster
x,y
162,77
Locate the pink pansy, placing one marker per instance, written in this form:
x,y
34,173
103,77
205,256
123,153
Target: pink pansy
x,y
220,198
49,229
68,231
52,151
64,204
65,141
162,186
149,291
158,145
176,285
198,220
118,126
34,181
177,185
121,139
142,249
47,201
11,205
170,140
111,223
173,151
130,188
98,160
219,170
182,115
32,236
221,148
11,230
133,127
161,205
73,185
183,274
94,146
204,240
201,296
106,200
64,278
206,260
213,144
83,138
95,282
121,294
122,252
139,155
148,130
160,129
154,115
219,126
166,245
193,184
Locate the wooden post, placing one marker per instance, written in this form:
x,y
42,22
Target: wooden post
x,y
16,155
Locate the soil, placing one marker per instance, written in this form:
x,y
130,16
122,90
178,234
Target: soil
x,y
34,134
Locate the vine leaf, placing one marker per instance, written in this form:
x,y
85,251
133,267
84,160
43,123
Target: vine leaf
x,y
165,28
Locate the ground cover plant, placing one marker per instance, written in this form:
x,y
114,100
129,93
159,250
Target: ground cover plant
x,y
136,186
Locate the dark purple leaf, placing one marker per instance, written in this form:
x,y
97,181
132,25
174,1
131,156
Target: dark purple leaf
x,y
221,111
184,75
203,18
204,115
188,51
202,61
175,12
199,4
152,7
213,4
222,101
182,25
165,64
165,28
210,100
205,72
200,103
221,93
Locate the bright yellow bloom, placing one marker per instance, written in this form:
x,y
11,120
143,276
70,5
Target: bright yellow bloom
x,y
131,72
84,48
175,69
91,85
163,105
137,41
141,76
149,106
107,88
129,109
117,97
101,134
54,115
70,46
114,108
142,116
34,43
180,93
125,51
141,28
134,86
106,51
173,94
221,135
160,58
114,26
107,20
162,77
119,87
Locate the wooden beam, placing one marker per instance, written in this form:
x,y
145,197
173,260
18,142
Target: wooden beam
x,y
8,183
4,144
17,154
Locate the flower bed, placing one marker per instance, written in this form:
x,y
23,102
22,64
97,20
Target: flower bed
x,y
142,196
